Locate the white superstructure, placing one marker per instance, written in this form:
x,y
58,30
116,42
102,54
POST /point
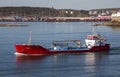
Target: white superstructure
x,y
94,39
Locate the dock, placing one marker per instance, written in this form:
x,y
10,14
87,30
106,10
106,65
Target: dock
x,y
75,19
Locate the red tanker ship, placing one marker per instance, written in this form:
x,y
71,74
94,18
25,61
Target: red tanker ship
x,y
93,43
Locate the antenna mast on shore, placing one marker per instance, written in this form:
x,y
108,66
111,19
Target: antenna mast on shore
x,y
93,30
30,38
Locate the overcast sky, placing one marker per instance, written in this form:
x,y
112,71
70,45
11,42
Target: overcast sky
x,y
63,4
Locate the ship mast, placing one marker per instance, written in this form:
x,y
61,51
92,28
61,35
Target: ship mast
x,y
30,38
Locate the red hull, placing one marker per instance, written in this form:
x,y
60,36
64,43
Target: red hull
x,y
39,50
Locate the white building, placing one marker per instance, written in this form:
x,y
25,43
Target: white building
x,y
116,14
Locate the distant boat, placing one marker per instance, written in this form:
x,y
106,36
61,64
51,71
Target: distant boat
x,y
93,43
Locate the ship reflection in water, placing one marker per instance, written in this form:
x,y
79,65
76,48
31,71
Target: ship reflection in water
x,y
28,58
96,64
86,63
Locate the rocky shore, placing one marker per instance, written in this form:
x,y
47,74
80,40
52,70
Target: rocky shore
x,y
112,23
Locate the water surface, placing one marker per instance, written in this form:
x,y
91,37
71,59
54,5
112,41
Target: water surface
x,y
105,64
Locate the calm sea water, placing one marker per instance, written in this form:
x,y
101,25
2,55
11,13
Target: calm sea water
x,y
105,64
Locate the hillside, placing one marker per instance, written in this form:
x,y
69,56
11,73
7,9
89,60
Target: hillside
x,y
41,12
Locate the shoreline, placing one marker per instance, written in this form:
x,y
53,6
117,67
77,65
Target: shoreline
x,y
10,25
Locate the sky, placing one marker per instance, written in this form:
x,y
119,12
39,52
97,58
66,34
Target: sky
x,y
64,4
